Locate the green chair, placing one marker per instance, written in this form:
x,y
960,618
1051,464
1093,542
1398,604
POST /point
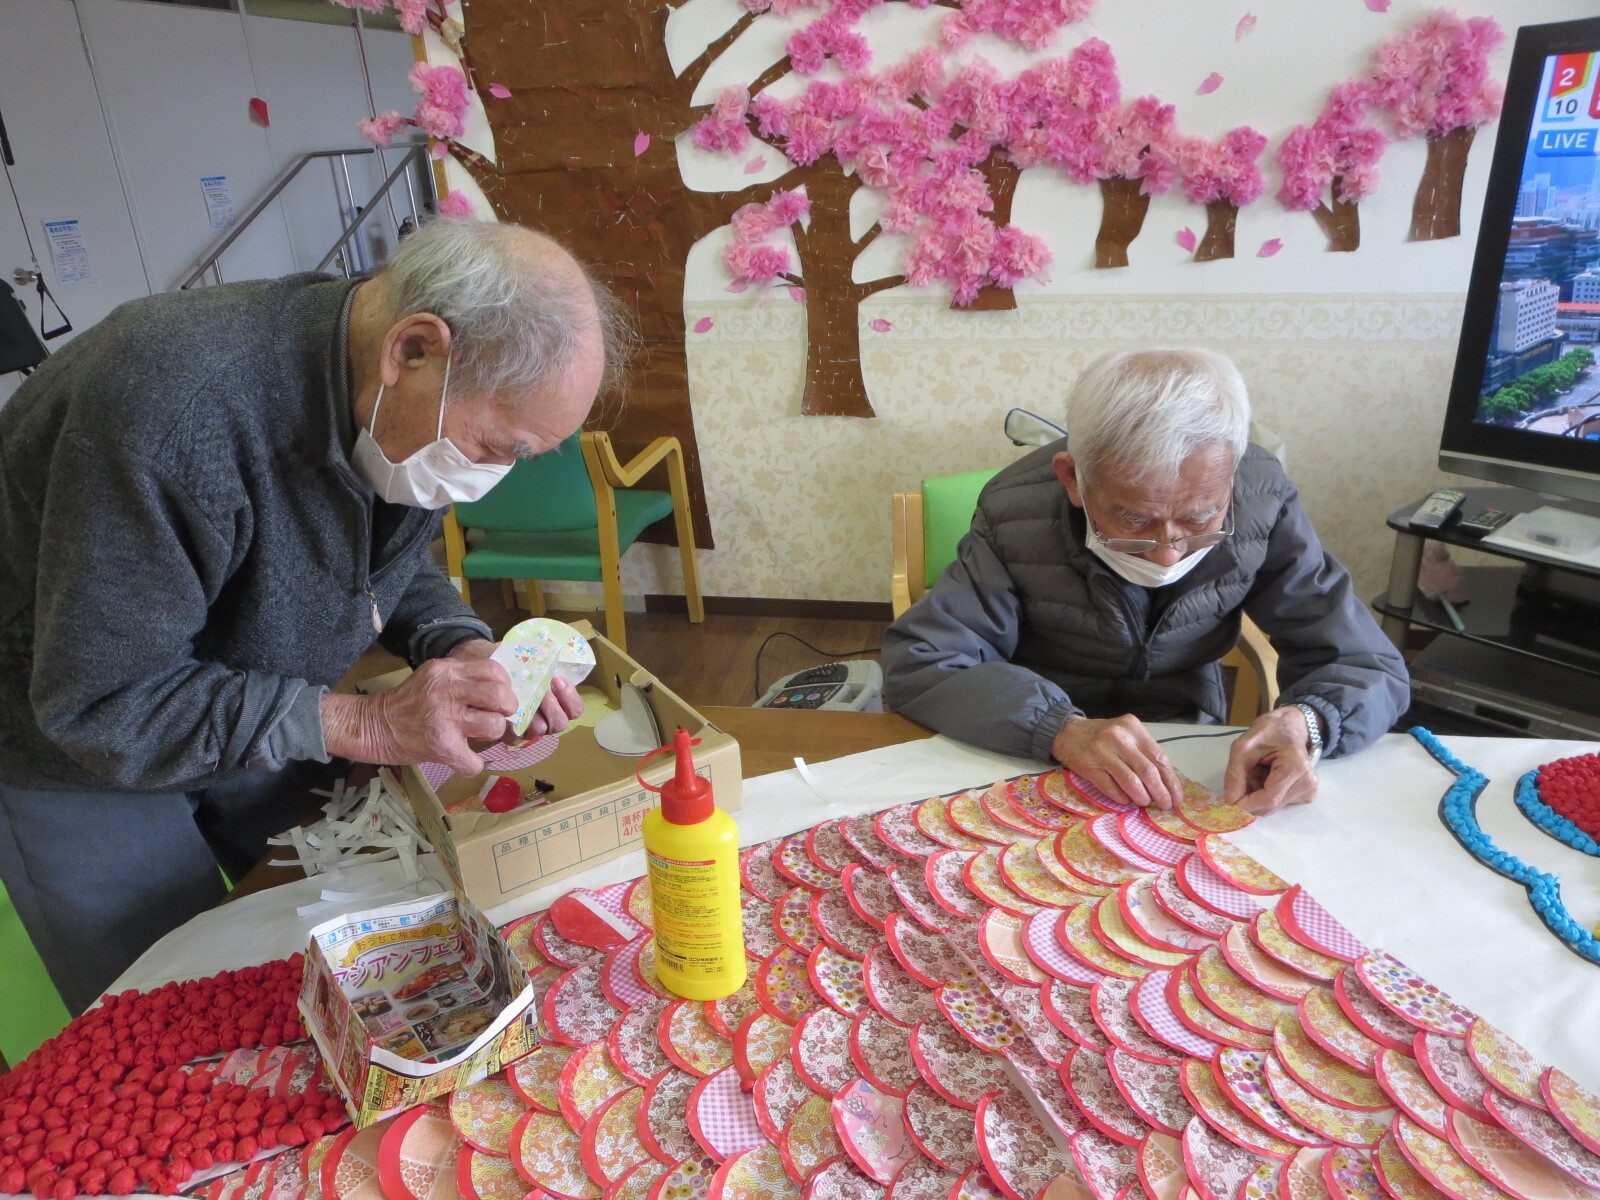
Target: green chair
x,y
572,514
30,1008
926,526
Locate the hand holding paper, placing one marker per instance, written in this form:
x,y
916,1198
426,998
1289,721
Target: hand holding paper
x,y
546,661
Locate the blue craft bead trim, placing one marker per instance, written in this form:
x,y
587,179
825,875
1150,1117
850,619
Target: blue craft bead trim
x,y
1458,809
1549,820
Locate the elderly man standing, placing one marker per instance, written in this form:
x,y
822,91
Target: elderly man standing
x,y
1105,576
210,505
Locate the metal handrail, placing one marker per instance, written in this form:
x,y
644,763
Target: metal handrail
x,y
417,153
210,264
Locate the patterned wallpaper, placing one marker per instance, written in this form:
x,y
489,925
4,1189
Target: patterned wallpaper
x,y
1355,385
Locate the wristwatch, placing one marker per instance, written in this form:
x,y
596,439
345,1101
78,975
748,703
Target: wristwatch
x,y
1313,731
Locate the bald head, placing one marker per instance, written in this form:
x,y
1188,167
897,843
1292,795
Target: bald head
x,y
520,309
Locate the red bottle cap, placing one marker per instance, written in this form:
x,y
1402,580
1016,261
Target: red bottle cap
x,y
685,798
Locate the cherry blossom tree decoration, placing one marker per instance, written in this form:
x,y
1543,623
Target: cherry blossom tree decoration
x,y
1223,176
1331,165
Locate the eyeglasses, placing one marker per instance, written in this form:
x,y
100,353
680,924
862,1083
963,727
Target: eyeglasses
x,y
1186,545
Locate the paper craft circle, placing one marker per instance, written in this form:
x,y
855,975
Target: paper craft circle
x,y
1185,1004
634,1043
920,1179
1245,957
965,810
881,1051
549,1155
689,1041
350,1170
838,979
783,985
1326,1077
871,1126
1276,943
1070,1008
1107,831
1508,1163
932,818
777,1096
809,1139
1153,1011
839,1179
953,1067
1327,1023
1441,1164
1152,924
1373,1018
664,1116
1331,1122
758,875
755,1174
1201,1089
1411,997
870,894
1111,1003
1309,923
941,1130
485,1114
1018,1154
1449,1068
862,834
1243,1079
1087,1078
760,1042
722,1117
1225,992
1161,1171
1216,1165
983,879
894,992
575,1009
417,1156
899,830
1408,1087
1504,1063
610,1140
1041,938
1302,1176
1546,1135
481,1176
1152,1090
1574,1106
1399,1178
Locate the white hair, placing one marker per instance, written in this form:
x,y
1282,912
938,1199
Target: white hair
x,y
1148,410
515,318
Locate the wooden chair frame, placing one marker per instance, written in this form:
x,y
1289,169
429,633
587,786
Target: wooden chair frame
x,y
606,474
1255,662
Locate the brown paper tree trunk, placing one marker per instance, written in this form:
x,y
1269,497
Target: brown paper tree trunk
x,y
1221,219
1002,175
1340,221
1123,207
834,386
586,77
1436,211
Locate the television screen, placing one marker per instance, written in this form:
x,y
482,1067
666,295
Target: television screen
x,y
1525,401
1536,374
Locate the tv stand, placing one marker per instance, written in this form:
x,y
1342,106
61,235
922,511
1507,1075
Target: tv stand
x,y
1528,659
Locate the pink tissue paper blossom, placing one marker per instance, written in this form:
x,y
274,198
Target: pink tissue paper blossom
x,y
880,325
444,101
755,166
1337,149
1378,6
1269,247
499,91
1209,84
825,38
413,16
1029,23
1245,25
1434,77
703,325
723,129
1223,170
797,294
455,204
755,263
381,130
641,143
1186,239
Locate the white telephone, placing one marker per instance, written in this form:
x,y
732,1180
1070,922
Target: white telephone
x,y
855,686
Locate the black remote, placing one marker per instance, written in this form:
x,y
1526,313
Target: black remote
x,y
1438,508
1483,522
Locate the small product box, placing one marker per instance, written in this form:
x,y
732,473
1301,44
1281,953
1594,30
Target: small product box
x,y
593,808
413,1000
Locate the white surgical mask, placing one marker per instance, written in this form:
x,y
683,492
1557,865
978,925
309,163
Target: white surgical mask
x,y
1142,571
436,475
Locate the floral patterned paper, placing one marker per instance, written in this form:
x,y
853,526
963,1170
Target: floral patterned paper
x,y
872,1127
933,820
611,1145
1330,1026
690,1041
943,1131
588,1082
549,1155
967,813
1545,1134
1323,1074
1276,943
893,992
755,1175
881,1051
486,1113
870,894
1442,1164
862,834
634,1042
1509,1163
536,1077
840,927
1504,1063
1026,876
760,1042
1016,1150
983,878
1450,1069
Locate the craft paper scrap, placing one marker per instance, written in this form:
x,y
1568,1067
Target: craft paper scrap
x,y
534,653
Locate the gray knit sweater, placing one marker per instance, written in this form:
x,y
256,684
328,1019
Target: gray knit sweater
x,y
187,558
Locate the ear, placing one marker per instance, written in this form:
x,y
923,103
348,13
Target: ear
x,y
414,343
1067,471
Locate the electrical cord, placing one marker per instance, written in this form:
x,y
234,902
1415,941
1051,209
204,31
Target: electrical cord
x,y
814,649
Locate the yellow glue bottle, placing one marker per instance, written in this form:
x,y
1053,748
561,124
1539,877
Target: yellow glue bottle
x,y
692,855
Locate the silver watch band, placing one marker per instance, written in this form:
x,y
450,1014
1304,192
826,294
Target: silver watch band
x,y
1313,731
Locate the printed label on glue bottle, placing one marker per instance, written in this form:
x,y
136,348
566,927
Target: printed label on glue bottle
x,y
688,911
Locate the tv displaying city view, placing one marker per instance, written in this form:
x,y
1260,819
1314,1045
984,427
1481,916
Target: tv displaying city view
x,y
1537,372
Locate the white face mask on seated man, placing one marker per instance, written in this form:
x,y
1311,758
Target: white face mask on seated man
x,y
1142,571
436,475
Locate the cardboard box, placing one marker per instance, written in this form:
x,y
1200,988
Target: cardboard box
x,y
596,811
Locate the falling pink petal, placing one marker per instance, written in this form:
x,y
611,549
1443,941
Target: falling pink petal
x,y
1186,239
1208,85
1377,5
703,325
441,149
755,164
499,91
1245,25
797,294
879,325
1269,247
738,285
641,143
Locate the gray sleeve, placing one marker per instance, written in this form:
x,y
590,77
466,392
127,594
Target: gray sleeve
x,y
947,665
121,599
1331,653
431,618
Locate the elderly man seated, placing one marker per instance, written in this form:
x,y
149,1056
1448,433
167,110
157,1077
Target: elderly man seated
x,y
1106,574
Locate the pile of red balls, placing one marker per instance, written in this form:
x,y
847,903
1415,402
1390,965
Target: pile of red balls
x,y
113,1105
1571,786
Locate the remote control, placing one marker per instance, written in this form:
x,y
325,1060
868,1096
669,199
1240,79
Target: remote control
x,y
1438,508
1485,521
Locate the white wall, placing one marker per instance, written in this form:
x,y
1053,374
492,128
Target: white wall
x,y
165,90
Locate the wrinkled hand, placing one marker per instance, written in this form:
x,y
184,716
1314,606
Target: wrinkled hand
x,y
428,718
1120,757
561,706
1269,766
